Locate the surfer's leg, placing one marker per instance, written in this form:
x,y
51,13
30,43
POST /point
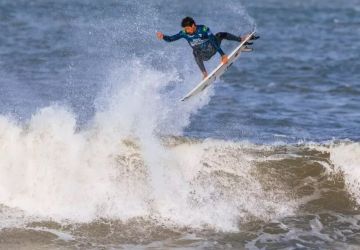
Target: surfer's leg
x,y
231,37
227,36
200,62
219,37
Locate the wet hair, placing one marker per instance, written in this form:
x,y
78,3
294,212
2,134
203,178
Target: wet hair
x,y
187,22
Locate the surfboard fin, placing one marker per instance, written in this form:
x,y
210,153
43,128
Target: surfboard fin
x,y
246,49
254,37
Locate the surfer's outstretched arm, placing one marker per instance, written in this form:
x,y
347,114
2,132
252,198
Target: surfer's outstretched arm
x,y
166,38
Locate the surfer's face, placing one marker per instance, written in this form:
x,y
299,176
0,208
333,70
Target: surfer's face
x,y
190,29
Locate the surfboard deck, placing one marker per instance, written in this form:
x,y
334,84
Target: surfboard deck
x,y
218,71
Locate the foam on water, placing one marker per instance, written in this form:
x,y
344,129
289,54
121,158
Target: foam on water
x,y
346,159
118,168
96,153
51,171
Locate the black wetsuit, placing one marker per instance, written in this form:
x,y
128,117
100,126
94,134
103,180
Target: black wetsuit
x,y
203,43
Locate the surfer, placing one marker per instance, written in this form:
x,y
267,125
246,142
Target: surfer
x,y
204,43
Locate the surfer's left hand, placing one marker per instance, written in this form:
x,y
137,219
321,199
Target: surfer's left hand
x,y
224,59
160,35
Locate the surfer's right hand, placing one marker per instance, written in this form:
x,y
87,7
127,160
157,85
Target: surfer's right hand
x,y
159,35
205,74
224,59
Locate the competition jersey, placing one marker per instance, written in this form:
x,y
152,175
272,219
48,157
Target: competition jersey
x,y
201,40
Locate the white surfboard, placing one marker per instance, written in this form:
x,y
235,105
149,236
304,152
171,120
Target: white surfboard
x,y
216,73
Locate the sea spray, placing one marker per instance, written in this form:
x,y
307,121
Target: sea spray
x,y
114,165
81,176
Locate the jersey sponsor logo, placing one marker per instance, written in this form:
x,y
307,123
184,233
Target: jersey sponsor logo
x,y
200,37
198,41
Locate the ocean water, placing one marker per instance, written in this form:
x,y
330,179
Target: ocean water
x,y
97,151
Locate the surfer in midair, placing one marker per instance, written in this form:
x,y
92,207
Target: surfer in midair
x,y
204,43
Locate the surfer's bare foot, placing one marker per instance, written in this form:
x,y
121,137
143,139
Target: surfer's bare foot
x,y
242,38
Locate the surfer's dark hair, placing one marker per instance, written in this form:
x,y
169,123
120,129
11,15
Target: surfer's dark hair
x,y
187,22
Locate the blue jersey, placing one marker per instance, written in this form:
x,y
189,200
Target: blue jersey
x,y
201,40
